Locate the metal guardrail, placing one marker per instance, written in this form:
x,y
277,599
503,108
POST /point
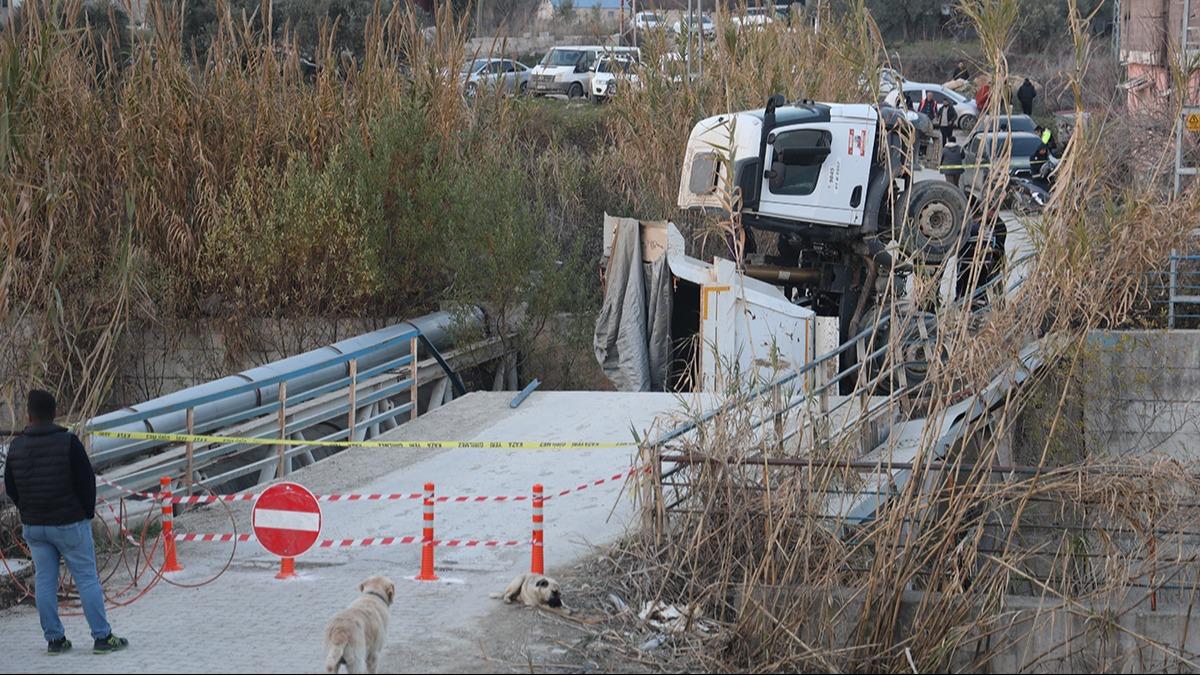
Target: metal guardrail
x,y
865,386
368,390
1183,289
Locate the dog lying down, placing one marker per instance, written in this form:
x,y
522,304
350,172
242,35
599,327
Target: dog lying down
x,y
532,590
356,635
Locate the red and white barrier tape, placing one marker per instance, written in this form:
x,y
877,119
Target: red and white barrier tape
x,y
379,497
599,481
213,537
357,543
122,488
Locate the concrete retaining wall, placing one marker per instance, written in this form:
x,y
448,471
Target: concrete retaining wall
x,y
1024,635
1133,392
1141,394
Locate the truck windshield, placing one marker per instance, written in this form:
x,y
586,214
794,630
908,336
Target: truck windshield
x,y
614,66
1022,146
562,57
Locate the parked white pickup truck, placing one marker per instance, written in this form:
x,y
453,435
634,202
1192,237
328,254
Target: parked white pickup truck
x,y
612,74
567,71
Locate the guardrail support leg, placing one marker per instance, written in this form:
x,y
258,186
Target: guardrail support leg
x,y
415,392
191,449
282,470
352,417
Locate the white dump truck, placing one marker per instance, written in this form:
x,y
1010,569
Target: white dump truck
x,y
837,184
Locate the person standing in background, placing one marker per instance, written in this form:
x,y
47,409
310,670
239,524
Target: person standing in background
x,y
947,118
982,95
1025,95
50,479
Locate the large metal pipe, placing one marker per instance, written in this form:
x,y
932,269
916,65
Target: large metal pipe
x,y
783,275
436,327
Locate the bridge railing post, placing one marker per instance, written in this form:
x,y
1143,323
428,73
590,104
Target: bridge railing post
x,y
282,470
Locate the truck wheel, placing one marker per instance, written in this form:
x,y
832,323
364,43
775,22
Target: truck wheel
x,y
904,364
576,91
918,349
935,218
966,122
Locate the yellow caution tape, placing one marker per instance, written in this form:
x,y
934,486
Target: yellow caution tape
x,y
435,445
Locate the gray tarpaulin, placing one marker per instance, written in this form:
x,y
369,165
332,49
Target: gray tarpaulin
x,y
633,331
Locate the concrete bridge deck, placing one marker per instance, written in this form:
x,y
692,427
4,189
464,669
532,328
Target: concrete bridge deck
x,y
246,621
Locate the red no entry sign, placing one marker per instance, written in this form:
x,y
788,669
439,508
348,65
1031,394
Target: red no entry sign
x,y
287,519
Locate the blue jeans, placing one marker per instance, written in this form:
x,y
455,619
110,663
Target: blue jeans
x,y
73,544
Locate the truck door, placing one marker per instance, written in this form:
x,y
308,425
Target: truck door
x,y
818,172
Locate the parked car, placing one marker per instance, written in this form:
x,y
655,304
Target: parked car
x,y
568,70
754,17
984,148
489,75
648,21
704,26
611,74
1007,123
968,112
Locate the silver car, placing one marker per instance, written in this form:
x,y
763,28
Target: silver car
x,y
489,75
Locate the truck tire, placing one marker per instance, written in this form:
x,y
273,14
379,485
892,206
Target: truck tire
x,y
966,122
905,364
576,91
935,219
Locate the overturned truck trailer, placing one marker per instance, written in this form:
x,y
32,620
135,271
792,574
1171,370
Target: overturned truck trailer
x,y
671,322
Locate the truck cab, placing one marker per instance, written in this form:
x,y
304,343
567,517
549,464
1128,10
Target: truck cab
x,y
837,183
799,168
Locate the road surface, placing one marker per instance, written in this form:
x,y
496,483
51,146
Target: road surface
x,y
246,621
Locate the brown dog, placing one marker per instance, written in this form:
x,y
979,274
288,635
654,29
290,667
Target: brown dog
x,y
355,636
532,590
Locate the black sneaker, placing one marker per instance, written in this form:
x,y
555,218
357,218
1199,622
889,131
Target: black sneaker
x,y
59,646
110,644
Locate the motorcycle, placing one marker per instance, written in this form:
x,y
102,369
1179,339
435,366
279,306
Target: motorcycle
x,y
1029,195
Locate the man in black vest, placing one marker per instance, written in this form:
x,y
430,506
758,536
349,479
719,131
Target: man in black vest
x,y
50,479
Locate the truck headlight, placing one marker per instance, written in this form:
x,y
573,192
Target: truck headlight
x,y
611,88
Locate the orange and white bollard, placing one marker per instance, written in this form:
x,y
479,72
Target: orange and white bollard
x,y
537,562
427,573
168,527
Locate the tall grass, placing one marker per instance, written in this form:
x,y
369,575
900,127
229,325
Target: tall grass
x,y
966,565
148,182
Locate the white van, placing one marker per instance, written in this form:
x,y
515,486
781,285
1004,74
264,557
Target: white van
x,y
568,70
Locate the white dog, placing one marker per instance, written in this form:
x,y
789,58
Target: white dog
x,y
355,636
532,590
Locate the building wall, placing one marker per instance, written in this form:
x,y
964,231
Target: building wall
x,y
1150,41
